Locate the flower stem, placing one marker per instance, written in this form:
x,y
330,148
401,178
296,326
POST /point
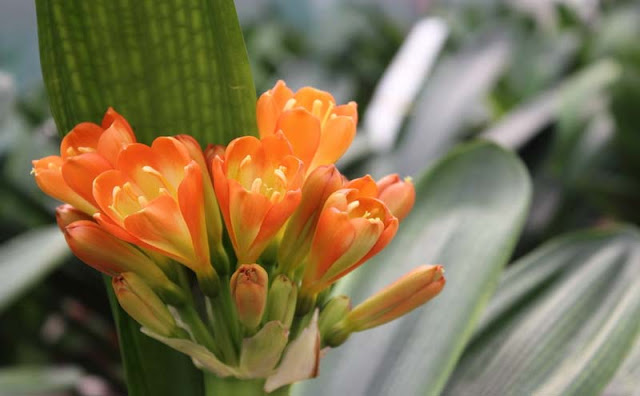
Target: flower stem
x,y
202,335
215,386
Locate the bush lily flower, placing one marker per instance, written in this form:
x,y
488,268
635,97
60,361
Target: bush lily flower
x,y
264,225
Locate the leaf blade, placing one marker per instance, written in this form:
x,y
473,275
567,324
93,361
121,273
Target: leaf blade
x,y
176,67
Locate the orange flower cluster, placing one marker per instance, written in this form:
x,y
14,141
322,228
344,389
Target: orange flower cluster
x,y
276,204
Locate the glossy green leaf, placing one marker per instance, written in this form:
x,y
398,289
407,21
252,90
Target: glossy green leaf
x,y
469,210
27,259
169,67
31,381
562,322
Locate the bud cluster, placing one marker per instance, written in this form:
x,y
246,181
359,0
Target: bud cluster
x,y
264,226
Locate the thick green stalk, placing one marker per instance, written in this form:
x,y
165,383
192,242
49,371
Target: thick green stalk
x,y
215,386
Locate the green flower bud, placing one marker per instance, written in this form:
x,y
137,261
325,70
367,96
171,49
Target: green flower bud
x,y
143,304
333,312
281,302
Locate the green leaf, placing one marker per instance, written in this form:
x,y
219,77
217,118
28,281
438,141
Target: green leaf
x,y
152,368
469,211
170,67
27,259
518,127
32,381
562,322
177,66
627,377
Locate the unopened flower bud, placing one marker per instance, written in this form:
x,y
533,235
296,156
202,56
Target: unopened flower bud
x,y
67,214
212,151
404,295
143,305
399,195
281,304
249,293
99,249
212,211
334,311
296,241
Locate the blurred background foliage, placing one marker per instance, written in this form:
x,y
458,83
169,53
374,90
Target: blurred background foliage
x,y
557,81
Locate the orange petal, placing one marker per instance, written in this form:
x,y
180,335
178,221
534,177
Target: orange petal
x,y
214,150
116,229
48,175
172,156
240,149
337,136
111,116
306,96
303,132
161,226
191,201
103,192
114,139
101,250
83,138
275,218
80,171
133,161
387,235
350,110
269,107
221,188
367,235
247,211
333,237
365,186
276,148
67,214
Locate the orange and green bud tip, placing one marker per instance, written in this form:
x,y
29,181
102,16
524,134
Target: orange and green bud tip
x,y
398,194
143,304
295,244
249,293
112,256
333,312
281,303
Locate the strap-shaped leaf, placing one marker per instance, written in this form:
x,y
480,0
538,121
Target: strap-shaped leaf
x,y
468,214
175,66
574,329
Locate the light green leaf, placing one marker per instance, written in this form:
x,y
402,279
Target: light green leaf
x,y
572,331
469,211
31,381
169,67
627,379
27,259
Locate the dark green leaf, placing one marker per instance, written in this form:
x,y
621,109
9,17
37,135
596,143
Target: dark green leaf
x,y
169,67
